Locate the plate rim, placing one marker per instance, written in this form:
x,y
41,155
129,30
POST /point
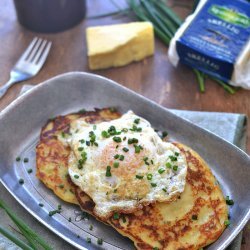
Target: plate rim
x,y
48,82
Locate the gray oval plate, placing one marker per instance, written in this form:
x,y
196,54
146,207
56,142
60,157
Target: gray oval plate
x,y
20,125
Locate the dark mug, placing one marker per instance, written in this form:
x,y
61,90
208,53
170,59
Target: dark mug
x,y
50,15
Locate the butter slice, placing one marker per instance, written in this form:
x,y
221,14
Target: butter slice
x,y
120,44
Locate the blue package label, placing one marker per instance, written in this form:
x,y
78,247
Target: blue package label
x,y
216,37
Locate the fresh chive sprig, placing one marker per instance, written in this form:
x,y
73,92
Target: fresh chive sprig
x,y
35,241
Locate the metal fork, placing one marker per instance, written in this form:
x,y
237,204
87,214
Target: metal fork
x,y
29,64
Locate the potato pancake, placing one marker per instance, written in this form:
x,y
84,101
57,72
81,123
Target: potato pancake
x,y
52,154
193,221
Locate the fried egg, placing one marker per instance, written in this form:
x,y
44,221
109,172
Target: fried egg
x,y
123,164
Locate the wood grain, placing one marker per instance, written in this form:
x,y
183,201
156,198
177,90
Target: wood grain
x,y
154,77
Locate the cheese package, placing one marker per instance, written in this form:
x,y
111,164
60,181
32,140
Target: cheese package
x,y
120,44
216,40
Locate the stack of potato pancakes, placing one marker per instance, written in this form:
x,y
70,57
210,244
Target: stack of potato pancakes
x,y
160,194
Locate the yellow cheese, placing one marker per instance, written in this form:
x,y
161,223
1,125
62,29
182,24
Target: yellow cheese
x,y
120,44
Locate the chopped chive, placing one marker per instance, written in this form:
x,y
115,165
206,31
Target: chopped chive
x,y
173,158
105,134
149,177
117,139
88,143
88,240
116,156
69,220
137,121
99,241
124,138
125,149
125,130
18,158
53,212
137,149
152,162
164,134
139,176
25,160
82,141
161,170
229,201
121,158
76,176
153,184
78,236
227,222
61,186
155,248
80,149
165,190
21,181
116,164
40,204
132,140
91,227
136,129
30,170
108,171
116,216
59,207
175,168
168,165
194,217
176,154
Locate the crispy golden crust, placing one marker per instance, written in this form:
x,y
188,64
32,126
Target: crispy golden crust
x,y
52,155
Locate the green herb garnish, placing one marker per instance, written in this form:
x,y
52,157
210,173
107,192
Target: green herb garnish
x,y
99,241
229,201
161,171
121,157
116,164
116,216
21,181
175,168
34,239
139,176
25,160
116,156
149,177
125,149
30,170
117,139
108,171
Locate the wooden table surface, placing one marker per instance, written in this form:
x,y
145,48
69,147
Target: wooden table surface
x,y
154,77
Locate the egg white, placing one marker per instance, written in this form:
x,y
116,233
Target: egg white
x,y
156,172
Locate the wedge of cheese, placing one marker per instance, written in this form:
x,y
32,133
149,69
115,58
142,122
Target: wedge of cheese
x,y
120,44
